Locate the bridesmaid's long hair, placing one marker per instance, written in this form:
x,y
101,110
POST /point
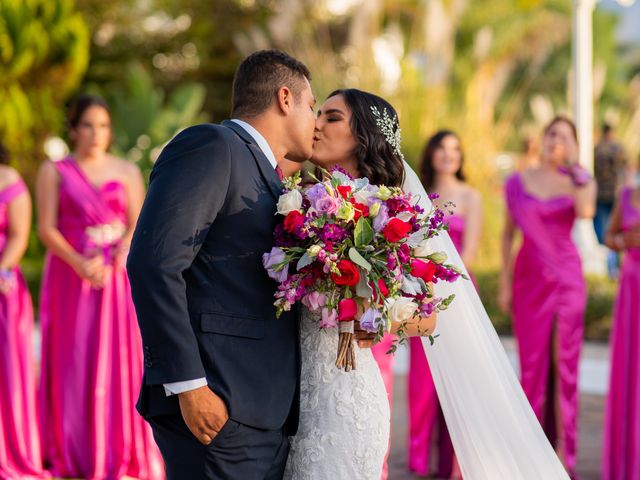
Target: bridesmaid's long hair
x,y
426,166
377,159
4,155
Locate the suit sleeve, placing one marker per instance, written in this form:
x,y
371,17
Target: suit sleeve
x,y
188,187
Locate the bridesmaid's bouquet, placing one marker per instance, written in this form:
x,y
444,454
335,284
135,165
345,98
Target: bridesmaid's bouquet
x,y
345,247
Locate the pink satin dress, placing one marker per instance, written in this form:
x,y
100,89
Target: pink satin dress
x,y
548,306
20,455
426,419
385,363
91,347
621,452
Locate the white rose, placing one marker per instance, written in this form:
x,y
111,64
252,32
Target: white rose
x,y
289,202
401,309
362,196
424,249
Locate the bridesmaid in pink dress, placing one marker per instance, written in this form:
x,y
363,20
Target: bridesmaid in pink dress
x,y
442,174
91,348
621,453
20,456
545,288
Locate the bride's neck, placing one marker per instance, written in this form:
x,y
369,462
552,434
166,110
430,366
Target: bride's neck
x,y
351,167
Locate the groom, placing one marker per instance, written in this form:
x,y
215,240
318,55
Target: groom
x,y
221,376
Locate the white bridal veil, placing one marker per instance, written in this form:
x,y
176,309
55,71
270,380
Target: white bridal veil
x,y
494,431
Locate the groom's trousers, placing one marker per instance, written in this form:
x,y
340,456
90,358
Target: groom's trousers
x,y
237,452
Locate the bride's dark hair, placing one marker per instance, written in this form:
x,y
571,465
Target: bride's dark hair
x,y
377,159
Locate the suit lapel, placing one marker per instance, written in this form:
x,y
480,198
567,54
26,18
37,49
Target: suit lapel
x,y
264,165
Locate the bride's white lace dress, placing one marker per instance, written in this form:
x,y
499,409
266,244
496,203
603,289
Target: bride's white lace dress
x,y
344,416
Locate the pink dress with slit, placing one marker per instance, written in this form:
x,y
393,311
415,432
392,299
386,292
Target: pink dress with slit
x,y
548,306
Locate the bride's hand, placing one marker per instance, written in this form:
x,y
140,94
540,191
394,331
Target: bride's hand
x,y
365,339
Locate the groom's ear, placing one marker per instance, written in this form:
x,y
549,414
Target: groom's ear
x,y
285,99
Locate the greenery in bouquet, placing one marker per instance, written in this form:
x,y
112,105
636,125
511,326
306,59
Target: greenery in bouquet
x,y
352,251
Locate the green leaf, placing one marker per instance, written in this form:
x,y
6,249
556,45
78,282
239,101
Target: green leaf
x,y
363,233
304,261
358,259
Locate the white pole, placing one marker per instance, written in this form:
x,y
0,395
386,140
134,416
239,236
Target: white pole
x,y
593,255
583,78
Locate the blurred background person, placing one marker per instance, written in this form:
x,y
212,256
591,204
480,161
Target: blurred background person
x,y
442,174
609,169
545,289
530,156
621,452
88,204
20,455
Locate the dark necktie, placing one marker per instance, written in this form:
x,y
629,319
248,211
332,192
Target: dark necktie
x,y
279,173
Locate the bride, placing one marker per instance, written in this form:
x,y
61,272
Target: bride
x,y
344,417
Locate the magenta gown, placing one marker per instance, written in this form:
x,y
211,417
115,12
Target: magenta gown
x,y
621,453
425,415
548,302
385,363
91,346
20,456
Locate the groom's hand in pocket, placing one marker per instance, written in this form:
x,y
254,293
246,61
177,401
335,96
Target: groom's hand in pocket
x,y
204,413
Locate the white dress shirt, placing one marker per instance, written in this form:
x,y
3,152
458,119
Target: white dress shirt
x,y
175,388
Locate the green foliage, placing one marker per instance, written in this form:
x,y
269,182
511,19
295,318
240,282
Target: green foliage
x,y
145,119
44,46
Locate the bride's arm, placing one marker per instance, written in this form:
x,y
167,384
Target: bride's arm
x,y
418,326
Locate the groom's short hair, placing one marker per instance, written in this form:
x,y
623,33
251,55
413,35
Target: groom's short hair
x,y
260,76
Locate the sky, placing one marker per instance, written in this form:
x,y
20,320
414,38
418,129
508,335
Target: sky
x,y
629,29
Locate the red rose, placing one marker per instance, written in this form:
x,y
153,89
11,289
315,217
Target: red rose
x,y
396,230
347,309
361,210
423,270
349,274
384,291
293,221
344,191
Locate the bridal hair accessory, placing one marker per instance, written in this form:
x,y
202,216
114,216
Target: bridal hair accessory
x,y
390,128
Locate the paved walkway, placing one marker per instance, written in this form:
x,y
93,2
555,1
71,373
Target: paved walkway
x,y
593,382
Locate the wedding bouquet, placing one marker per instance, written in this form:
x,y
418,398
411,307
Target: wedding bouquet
x,y
345,247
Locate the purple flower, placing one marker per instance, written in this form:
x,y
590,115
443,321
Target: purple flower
x,y
336,168
329,318
381,220
282,238
427,308
391,261
433,196
397,205
320,199
270,260
332,233
404,254
371,320
314,300
446,274
328,205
